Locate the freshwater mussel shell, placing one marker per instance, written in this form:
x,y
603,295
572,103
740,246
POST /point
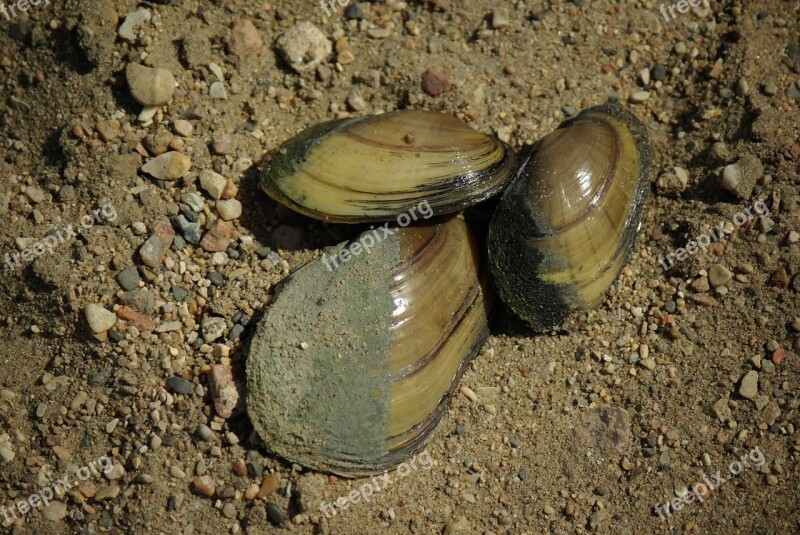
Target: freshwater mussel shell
x,y
388,333
567,223
374,168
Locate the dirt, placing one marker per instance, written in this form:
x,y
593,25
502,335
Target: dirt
x,y
585,428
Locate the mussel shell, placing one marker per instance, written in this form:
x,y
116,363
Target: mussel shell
x,y
375,168
566,224
389,334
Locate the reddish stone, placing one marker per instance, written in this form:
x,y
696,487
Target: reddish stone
x,y
218,237
244,38
140,321
778,356
268,486
227,385
163,230
779,279
230,190
435,83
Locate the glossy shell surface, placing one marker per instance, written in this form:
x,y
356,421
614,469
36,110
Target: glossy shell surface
x,y
566,224
353,363
377,167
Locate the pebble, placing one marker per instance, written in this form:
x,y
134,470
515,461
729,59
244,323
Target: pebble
x,y
740,178
224,390
204,485
500,19
304,47
435,83
229,209
749,385
99,318
194,201
459,527
213,183
229,510
217,91
180,385
189,230
183,127
150,87
659,73
152,252
721,410
128,278
770,89
35,195
54,511
107,492
244,38
274,514
205,433
6,454
168,166
639,96
268,485
355,100
354,11
133,20
218,237
215,278
718,275
644,76
212,328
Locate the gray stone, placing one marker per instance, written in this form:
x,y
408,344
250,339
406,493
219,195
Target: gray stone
x,y
128,278
180,385
150,86
133,20
152,252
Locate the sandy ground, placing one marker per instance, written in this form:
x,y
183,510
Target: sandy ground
x,y
676,377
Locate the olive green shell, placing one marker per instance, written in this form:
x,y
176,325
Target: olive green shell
x,y
375,168
352,365
567,223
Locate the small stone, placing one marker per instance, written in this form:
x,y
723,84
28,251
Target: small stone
x,y
355,100
304,47
716,70
35,195
721,410
779,278
354,11
230,190
793,237
268,486
778,356
54,511
108,130
142,322
639,96
435,83
162,228
644,76
229,209
770,89
128,278
742,87
244,39
225,391
500,19
229,510
218,237
183,128
189,230
6,454
213,183
99,318
204,485
107,492
150,86
194,201
217,91
180,385
740,178
133,20
718,275
700,285
212,328
205,433
274,514
460,527
152,252
115,472
169,166
749,385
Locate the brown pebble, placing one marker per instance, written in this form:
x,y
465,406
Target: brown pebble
x,y
140,321
435,83
779,278
244,38
239,468
218,237
704,300
78,132
778,356
162,228
204,485
268,486
701,285
229,191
